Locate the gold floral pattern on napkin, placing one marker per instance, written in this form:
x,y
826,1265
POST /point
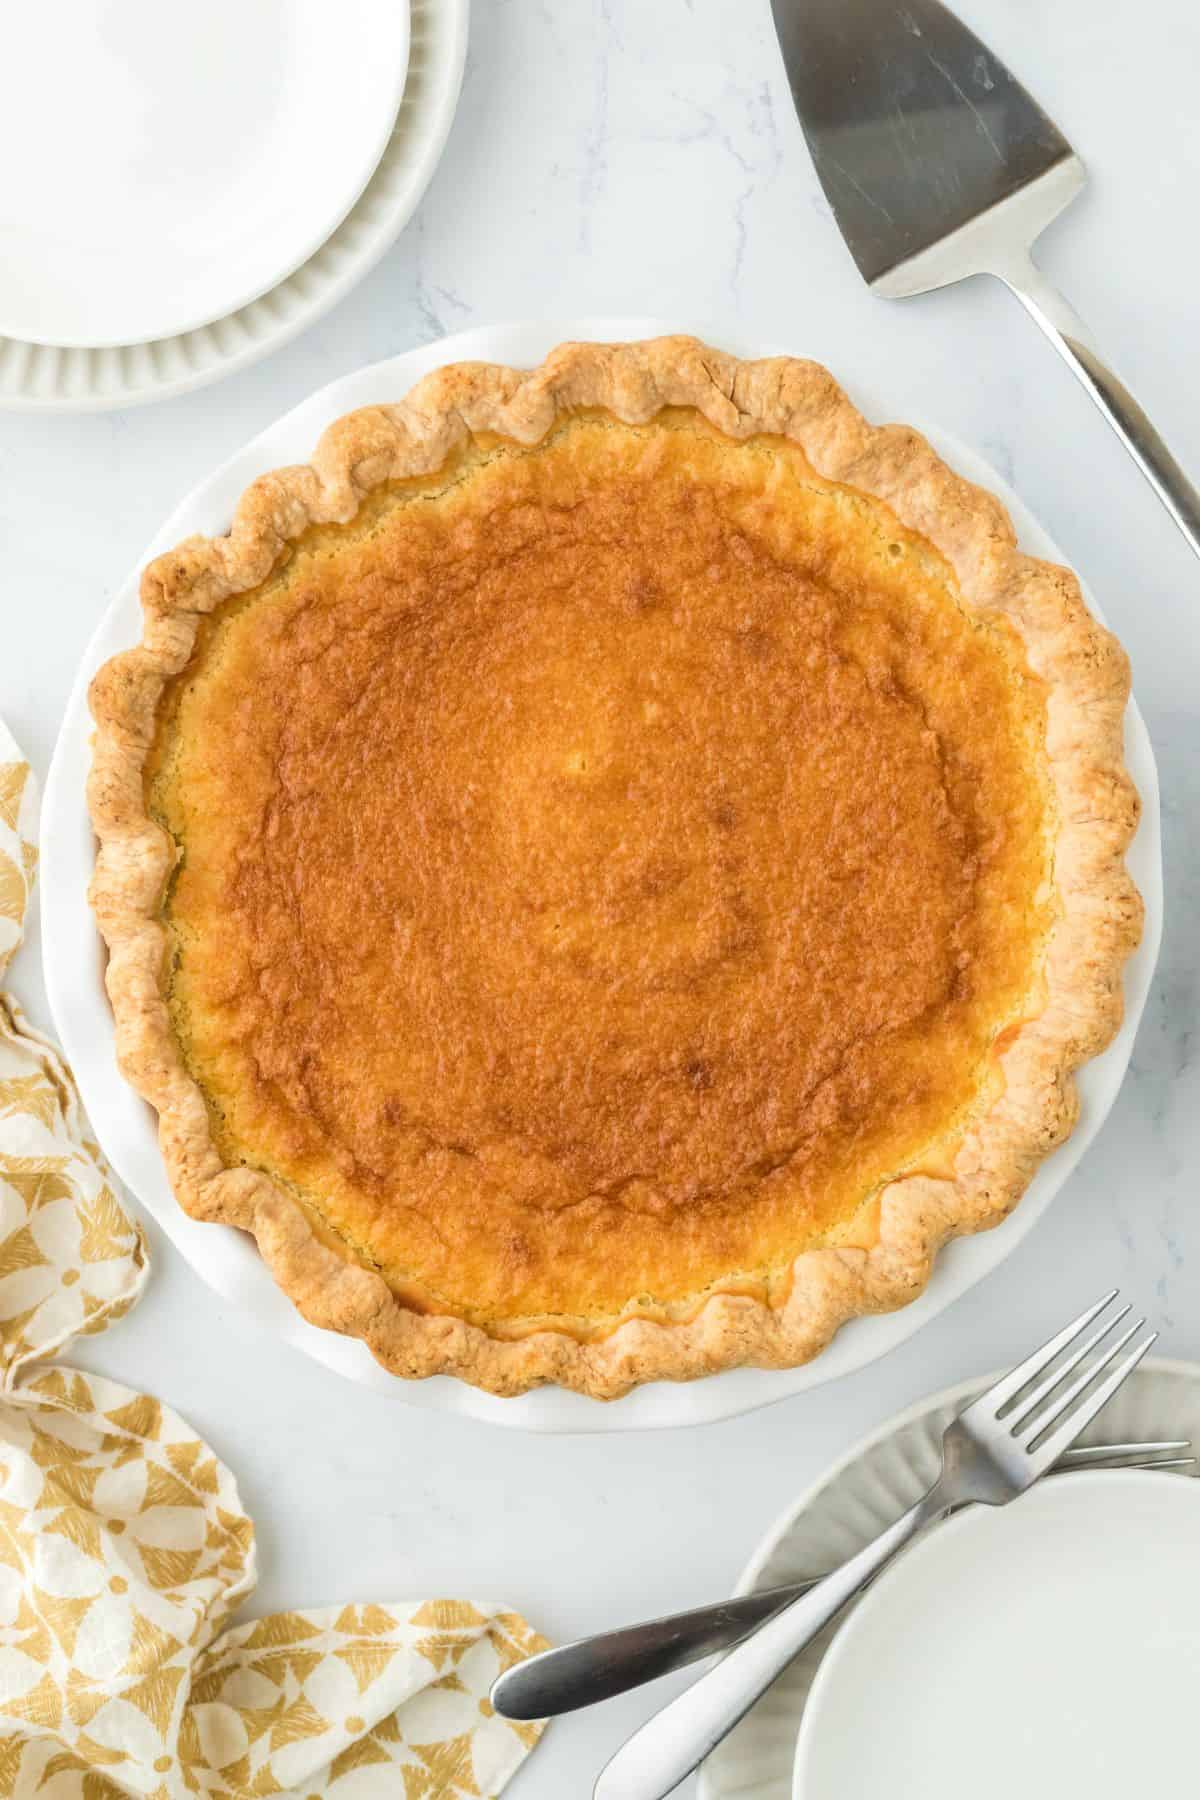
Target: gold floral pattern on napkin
x,y
125,1550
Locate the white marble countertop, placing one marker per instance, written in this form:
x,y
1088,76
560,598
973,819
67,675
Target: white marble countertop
x,y
617,157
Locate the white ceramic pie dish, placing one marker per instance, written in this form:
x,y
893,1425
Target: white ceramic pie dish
x,y
226,1258
864,1491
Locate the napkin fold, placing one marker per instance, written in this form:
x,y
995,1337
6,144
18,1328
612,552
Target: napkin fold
x,y
125,1549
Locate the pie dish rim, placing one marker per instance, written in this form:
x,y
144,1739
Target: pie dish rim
x,y
722,1340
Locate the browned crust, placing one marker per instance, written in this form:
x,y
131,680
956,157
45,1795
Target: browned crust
x,y
1099,911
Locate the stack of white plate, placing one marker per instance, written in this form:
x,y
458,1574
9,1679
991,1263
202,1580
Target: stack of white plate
x,y
187,188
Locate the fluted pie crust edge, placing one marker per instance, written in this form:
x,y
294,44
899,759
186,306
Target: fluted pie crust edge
x,y
1099,911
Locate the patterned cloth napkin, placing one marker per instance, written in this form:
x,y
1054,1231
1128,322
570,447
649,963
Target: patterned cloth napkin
x,y
124,1548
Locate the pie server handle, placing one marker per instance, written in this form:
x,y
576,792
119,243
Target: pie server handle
x,y
1056,317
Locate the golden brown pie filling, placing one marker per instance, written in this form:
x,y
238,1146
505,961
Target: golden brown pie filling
x,y
603,867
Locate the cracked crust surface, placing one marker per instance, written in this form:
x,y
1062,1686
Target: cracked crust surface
x,y
970,1173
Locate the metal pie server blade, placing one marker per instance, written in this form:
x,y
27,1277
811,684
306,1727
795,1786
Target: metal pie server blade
x,y
915,128
938,164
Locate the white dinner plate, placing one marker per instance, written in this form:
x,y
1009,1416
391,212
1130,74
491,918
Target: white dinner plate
x,y
165,164
58,378
227,1258
1051,1646
870,1487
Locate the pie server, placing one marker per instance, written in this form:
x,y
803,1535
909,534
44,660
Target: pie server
x,y
939,165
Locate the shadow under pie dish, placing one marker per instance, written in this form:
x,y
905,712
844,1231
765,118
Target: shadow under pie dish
x,y
610,866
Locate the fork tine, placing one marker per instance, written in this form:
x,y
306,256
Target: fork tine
x,y
1163,1462
1011,1384
1027,1405
1124,1462
1082,1454
1032,1429
1070,1419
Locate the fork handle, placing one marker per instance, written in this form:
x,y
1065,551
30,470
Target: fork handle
x,y
1057,318
666,1749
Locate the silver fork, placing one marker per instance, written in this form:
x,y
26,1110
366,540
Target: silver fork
x,y
997,1448
608,1663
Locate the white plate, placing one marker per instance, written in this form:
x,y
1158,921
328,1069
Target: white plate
x,y
1052,1645
866,1490
226,1258
55,378
166,165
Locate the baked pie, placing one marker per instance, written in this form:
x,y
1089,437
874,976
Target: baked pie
x,y
607,868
